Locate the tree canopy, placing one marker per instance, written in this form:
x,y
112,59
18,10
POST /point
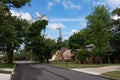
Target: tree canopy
x,y
11,27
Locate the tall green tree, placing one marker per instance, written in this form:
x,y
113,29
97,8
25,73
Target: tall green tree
x,y
115,33
10,26
76,41
80,39
98,23
34,40
50,46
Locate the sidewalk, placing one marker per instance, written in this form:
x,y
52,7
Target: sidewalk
x,y
5,76
98,71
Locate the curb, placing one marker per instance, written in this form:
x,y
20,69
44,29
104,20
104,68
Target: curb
x,y
12,73
109,77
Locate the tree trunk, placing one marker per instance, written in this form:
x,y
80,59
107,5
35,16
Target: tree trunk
x,y
47,60
109,59
100,60
10,50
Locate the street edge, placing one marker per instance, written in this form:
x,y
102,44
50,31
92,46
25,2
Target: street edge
x,y
12,72
111,78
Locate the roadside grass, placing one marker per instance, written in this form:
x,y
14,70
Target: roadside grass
x,y
5,65
76,65
5,72
114,74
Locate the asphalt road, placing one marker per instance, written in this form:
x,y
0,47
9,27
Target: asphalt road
x,y
44,72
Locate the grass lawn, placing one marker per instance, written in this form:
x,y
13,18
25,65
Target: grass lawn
x,y
114,74
74,65
5,72
5,65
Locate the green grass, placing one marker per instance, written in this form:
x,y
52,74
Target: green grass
x,y
5,72
114,74
74,65
5,65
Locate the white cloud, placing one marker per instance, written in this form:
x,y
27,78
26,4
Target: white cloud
x,y
70,5
54,26
68,34
116,17
66,19
50,4
100,2
74,31
23,15
67,4
113,3
37,14
109,3
82,21
40,16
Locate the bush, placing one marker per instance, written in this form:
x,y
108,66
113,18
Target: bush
x,y
82,55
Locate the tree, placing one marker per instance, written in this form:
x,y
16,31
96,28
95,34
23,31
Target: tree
x,y
34,40
98,23
9,32
50,46
115,33
11,35
65,43
86,33
82,55
76,41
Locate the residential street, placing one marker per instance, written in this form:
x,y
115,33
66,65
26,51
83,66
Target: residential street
x,y
44,72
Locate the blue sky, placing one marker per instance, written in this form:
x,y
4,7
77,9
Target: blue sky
x,y
67,14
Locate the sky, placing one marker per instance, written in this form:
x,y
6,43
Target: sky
x,y
69,15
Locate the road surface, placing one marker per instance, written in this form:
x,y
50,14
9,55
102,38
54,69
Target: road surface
x,y
44,72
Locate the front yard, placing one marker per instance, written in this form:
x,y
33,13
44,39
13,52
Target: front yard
x,y
5,72
114,74
74,65
6,68
5,65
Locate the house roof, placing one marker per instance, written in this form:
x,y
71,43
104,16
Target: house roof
x,y
90,46
63,50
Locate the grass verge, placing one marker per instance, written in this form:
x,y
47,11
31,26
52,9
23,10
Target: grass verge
x,y
5,72
114,74
74,65
5,65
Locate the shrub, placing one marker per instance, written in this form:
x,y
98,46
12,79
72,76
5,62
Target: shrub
x,y
82,55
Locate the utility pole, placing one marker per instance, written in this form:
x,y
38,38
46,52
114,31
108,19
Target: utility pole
x,y
60,36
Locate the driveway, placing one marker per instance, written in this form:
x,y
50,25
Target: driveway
x,y
45,72
99,70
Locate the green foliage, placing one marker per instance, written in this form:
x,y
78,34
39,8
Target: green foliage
x,y
101,51
65,43
34,40
80,39
16,3
4,65
115,42
116,11
50,46
19,56
82,54
98,23
115,32
76,41
11,27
